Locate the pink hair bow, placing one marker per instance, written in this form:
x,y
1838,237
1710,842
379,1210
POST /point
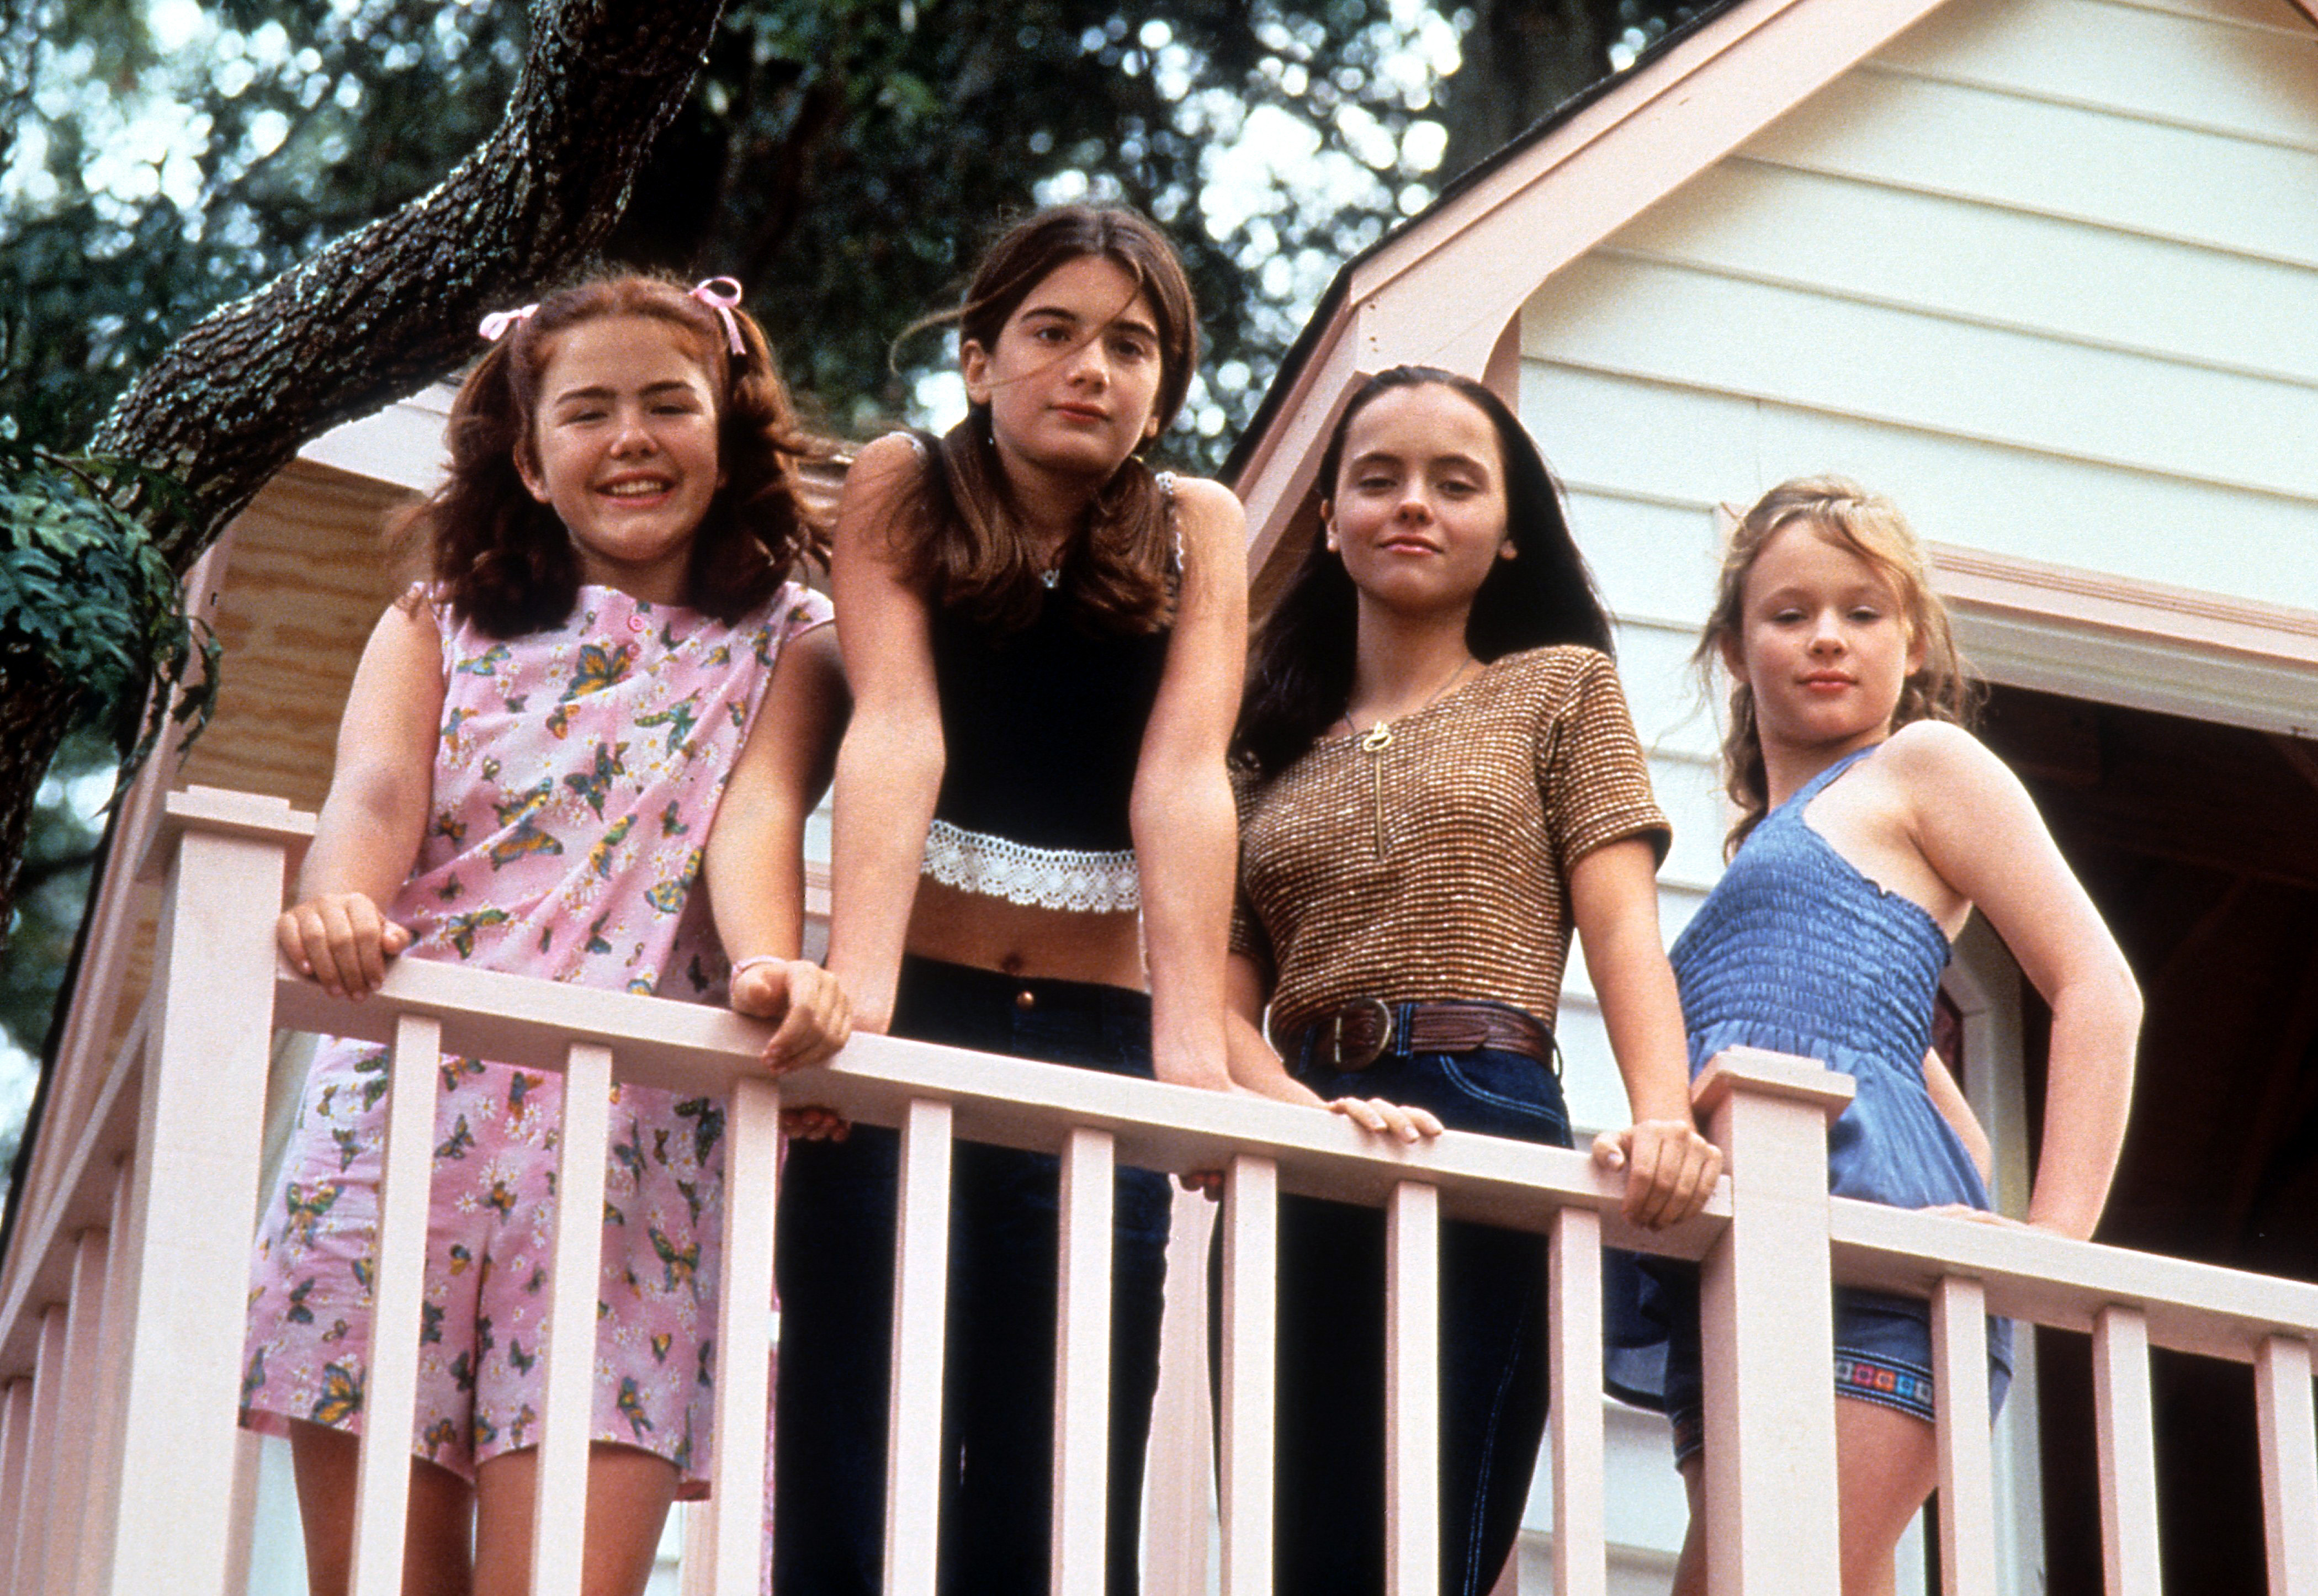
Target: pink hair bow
x,y
495,325
722,295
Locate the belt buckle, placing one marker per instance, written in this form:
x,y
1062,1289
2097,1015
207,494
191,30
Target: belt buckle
x,y
1360,1058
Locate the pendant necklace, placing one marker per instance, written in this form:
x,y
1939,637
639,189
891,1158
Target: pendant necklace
x,y
1379,738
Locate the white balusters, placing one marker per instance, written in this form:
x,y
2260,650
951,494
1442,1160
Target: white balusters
x,y
15,1461
1412,1382
921,1289
78,1441
32,1509
1967,1473
1083,1366
2127,1441
2289,1464
390,1390
558,1537
734,1543
1580,1557
1250,1309
103,1484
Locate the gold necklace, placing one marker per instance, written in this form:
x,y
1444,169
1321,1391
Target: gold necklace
x,y
1379,738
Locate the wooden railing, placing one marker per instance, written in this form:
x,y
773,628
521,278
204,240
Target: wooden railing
x,y
121,1470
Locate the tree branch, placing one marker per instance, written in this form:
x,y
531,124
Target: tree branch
x,y
390,308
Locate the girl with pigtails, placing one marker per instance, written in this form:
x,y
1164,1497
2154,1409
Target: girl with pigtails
x,y
609,700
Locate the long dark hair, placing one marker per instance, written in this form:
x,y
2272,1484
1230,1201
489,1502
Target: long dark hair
x,y
504,561
1300,670
963,543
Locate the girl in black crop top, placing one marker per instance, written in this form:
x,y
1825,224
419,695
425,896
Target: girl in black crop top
x,y
1043,639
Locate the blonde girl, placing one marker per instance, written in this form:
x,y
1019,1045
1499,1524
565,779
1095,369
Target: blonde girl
x,y
1870,825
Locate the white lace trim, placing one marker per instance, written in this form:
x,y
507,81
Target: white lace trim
x,y
1043,878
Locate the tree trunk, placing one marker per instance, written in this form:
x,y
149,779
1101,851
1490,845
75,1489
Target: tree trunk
x,y
388,309
1523,57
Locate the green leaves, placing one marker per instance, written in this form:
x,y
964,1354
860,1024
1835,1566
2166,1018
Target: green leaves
x,y
86,598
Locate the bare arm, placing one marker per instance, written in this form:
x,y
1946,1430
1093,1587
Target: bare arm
x,y
375,815
1256,1067
756,853
1180,813
1670,1167
889,768
1979,829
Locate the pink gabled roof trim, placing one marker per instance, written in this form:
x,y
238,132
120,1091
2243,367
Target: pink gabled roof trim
x,y
1444,289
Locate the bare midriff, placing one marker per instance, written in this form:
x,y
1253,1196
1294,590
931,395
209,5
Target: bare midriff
x,y
1022,939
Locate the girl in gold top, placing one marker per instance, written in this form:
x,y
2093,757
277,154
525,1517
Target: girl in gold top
x,y
1439,780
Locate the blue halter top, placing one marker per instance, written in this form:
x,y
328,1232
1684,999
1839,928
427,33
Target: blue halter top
x,y
1797,952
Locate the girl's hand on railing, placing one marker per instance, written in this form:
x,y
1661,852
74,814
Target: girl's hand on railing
x,y
814,1124
1670,1169
342,941
1403,1122
815,1017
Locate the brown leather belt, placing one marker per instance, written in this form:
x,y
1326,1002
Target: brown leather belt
x,y
1363,1031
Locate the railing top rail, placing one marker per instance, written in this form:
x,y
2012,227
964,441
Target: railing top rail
x,y
2051,1279
690,1047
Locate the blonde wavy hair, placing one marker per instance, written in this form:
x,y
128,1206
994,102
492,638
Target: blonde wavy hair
x,y
1941,688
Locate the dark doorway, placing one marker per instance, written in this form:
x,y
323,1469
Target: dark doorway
x,y
2199,842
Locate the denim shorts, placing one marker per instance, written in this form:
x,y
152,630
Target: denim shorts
x,y
1882,1355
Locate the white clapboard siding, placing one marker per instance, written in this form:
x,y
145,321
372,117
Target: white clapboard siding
x,y
1811,350
1610,431
2162,179
2157,66
1655,559
2036,274
2044,271
1661,687
2277,15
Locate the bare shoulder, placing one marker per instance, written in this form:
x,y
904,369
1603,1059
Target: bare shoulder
x,y
1208,510
1940,755
884,467
408,626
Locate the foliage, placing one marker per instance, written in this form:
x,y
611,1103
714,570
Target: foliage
x,y
848,160
166,160
86,596
844,157
51,885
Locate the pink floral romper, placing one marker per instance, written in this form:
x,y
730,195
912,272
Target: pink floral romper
x,y
578,771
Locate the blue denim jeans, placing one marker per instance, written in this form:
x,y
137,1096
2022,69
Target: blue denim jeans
x,y
836,1236
1328,1489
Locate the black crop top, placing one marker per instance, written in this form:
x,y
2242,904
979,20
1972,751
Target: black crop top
x,y
1041,732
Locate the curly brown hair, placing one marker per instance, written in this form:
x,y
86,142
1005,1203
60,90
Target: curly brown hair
x,y
1871,527
961,542
503,559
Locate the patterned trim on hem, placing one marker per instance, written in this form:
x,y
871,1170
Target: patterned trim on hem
x,y
1874,1379
1083,882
